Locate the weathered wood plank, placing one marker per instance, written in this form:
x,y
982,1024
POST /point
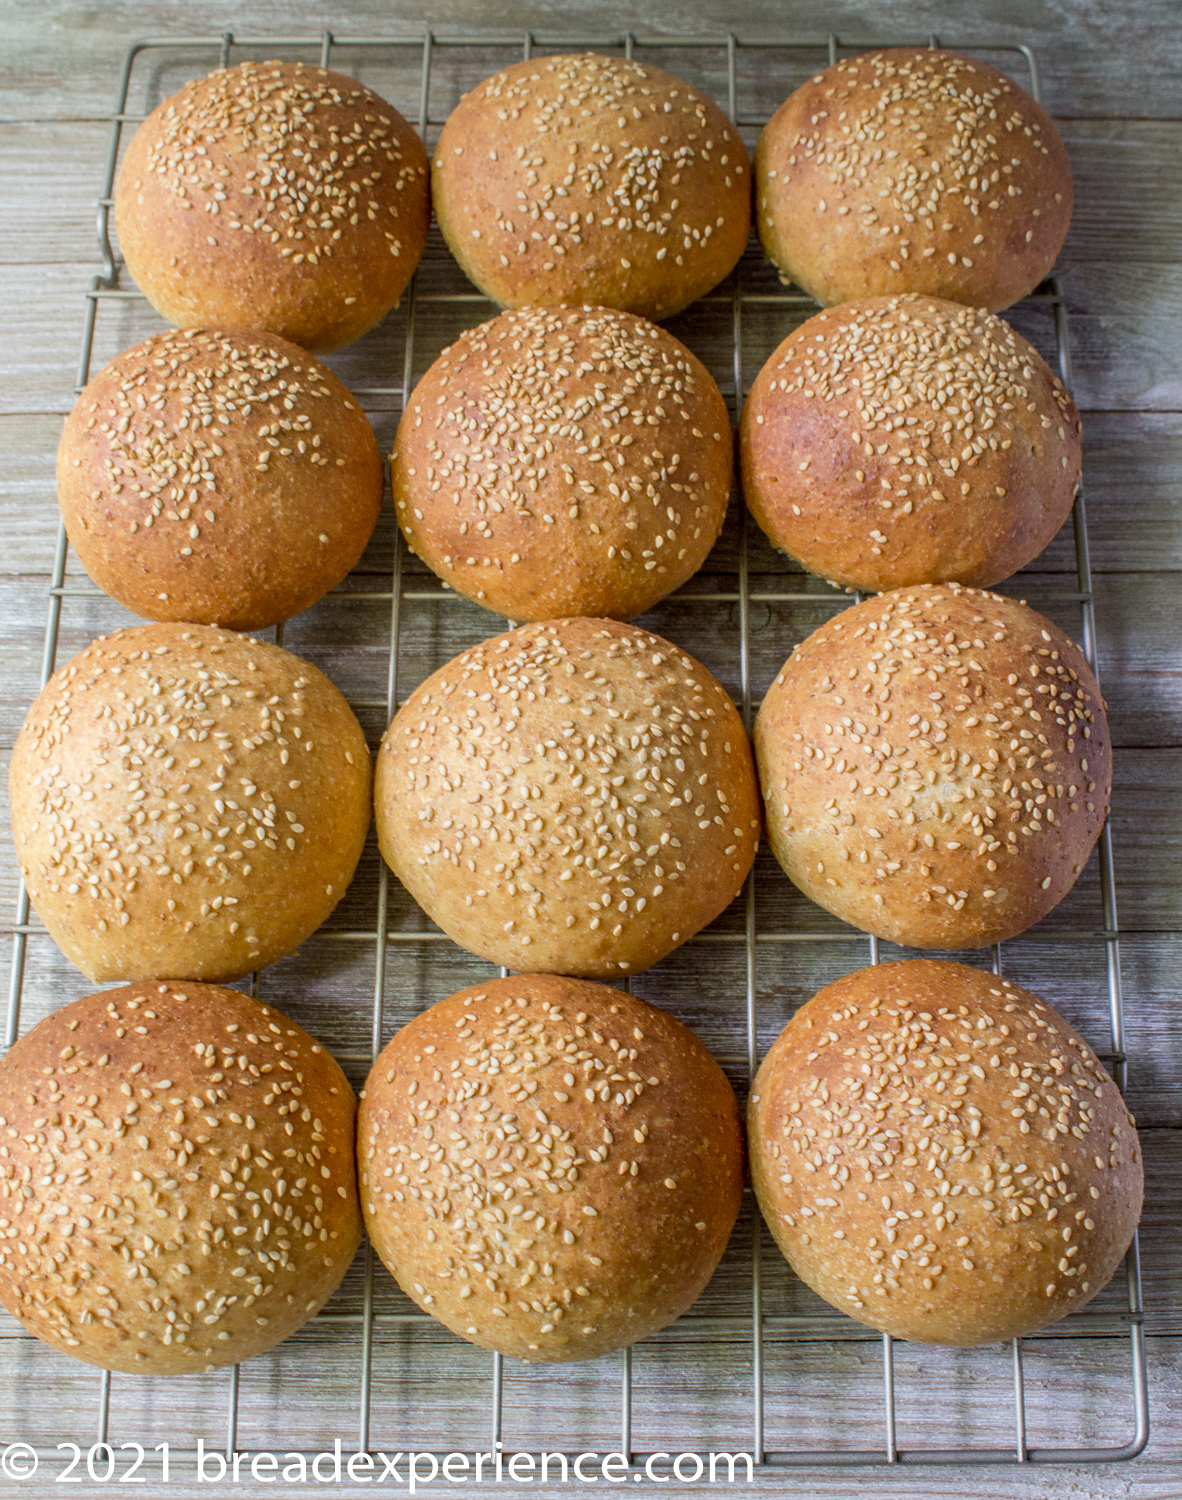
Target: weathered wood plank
x,y
61,60
40,226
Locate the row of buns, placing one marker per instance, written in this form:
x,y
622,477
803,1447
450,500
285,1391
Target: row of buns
x,y
293,198
575,796
568,461
551,1167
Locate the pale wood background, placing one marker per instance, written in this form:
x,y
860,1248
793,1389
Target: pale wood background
x,y
1110,76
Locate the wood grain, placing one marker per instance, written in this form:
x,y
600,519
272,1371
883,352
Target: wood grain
x,y
1096,59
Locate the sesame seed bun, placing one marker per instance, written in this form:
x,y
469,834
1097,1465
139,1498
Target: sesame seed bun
x,y
563,462
550,1168
187,801
940,1155
575,797
177,1186
936,766
592,180
903,440
218,477
274,195
913,170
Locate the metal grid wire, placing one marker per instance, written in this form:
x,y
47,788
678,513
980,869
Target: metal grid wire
x,y
1124,1331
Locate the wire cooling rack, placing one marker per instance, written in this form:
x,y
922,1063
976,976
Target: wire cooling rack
x,y
756,1345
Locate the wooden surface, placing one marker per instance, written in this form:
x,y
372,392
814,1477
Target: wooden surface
x,y
1109,75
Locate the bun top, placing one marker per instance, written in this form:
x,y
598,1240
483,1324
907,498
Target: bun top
x,y
309,191
564,461
576,797
942,1156
610,1165
936,766
590,179
908,439
221,477
913,170
187,801
178,1181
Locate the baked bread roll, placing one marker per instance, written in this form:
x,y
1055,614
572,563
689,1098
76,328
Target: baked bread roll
x,y
550,1168
187,801
577,797
936,766
274,195
902,440
564,461
592,180
940,1155
177,1187
913,170
218,477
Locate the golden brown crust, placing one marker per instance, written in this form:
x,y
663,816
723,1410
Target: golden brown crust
x,y
177,1183
559,462
592,180
576,797
187,802
913,170
940,1155
218,477
903,440
981,729
274,195
551,1168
